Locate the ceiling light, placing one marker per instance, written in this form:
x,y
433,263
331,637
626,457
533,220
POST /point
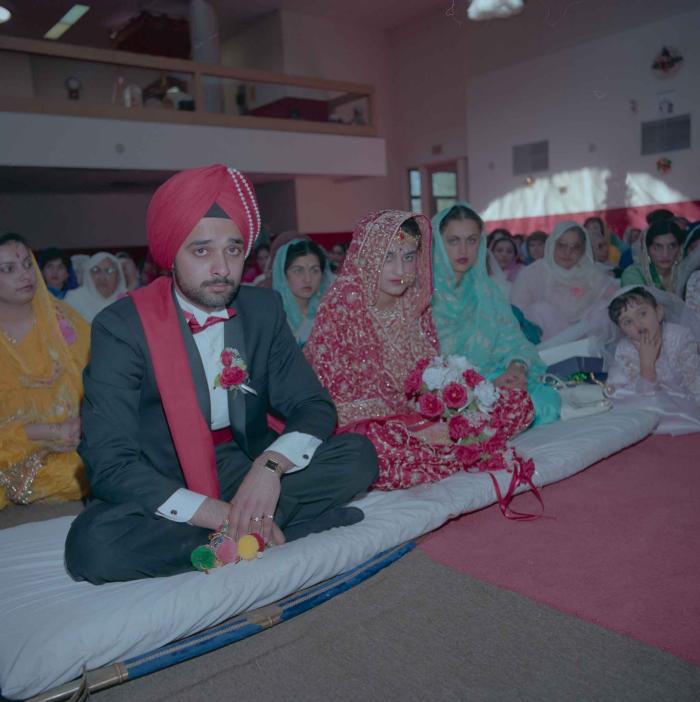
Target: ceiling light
x,y
5,14
66,22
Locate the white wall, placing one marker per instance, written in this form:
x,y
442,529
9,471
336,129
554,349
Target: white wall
x,y
579,100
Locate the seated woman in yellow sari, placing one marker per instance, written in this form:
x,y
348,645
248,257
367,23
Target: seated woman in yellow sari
x,y
43,348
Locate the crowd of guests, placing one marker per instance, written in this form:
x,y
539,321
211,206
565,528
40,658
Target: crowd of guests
x,y
366,315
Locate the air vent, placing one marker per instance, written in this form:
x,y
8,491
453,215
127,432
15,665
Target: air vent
x,y
669,134
531,158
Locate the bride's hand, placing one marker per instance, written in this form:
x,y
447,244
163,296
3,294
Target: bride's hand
x,y
512,378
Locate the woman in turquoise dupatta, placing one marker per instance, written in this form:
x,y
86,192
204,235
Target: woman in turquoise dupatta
x,y
474,319
301,275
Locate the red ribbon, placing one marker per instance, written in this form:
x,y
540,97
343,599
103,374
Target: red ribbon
x,y
191,435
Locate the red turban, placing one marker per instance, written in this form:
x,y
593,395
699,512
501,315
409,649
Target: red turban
x,y
184,199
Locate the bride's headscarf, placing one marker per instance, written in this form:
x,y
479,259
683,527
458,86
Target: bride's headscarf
x,y
87,299
362,359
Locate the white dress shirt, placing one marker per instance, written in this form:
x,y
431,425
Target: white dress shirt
x,y
298,447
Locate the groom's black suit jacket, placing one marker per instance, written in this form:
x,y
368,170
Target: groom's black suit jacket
x,y
128,452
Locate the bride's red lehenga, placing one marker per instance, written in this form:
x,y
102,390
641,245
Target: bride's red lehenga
x,y
363,356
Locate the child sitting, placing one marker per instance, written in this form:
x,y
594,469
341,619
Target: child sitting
x,y
655,357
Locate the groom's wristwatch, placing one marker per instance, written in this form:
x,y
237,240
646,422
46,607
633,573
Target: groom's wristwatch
x,y
274,466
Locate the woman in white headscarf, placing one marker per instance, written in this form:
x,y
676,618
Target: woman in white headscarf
x,y
688,286
561,289
103,283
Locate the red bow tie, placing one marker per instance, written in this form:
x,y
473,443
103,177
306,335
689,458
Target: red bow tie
x,y
196,327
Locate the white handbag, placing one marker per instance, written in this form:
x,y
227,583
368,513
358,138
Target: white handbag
x,y
578,399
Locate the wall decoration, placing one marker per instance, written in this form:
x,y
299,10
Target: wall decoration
x,y
664,165
667,62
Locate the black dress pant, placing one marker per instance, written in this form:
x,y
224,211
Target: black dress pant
x,y
117,542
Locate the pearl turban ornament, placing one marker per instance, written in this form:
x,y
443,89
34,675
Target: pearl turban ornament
x,y
187,197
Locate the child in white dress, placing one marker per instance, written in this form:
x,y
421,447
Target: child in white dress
x,y
656,363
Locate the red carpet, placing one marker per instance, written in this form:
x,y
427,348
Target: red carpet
x,y
621,549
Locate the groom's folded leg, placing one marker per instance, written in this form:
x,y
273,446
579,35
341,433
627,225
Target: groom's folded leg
x,y
334,517
342,467
108,543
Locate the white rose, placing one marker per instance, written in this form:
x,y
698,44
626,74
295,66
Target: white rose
x,y
487,394
452,375
434,378
458,364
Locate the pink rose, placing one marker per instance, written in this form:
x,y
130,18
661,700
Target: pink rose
x,y
472,378
455,395
226,357
413,383
430,406
232,375
467,454
459,427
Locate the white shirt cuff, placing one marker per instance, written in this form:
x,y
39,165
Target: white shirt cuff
x,y
298,447
181,505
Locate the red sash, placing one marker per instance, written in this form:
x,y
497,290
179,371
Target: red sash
x,y
191,435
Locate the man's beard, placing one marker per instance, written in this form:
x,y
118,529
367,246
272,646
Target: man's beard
x,y
203,296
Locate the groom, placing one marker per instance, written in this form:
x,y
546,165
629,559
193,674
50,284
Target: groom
x,y
182,375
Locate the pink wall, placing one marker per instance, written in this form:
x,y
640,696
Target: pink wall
x,y
76,220
341,50
69,142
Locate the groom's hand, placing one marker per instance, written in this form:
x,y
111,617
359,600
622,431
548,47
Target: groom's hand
x,y
253,506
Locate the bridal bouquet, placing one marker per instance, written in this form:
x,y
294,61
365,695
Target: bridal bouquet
x,y
452,390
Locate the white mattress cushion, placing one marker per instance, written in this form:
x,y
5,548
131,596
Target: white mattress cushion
x,y
52,626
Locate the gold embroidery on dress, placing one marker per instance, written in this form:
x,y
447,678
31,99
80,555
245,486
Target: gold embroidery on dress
x,y
19,415
56,370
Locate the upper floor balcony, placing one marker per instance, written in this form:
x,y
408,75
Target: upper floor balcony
x,y
81,107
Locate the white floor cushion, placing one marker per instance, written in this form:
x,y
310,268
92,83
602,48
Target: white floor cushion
x,y
52,626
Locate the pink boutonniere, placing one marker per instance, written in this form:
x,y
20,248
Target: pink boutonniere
x,y
234,373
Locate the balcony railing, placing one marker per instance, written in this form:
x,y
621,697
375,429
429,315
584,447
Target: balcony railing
x,y
119,85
